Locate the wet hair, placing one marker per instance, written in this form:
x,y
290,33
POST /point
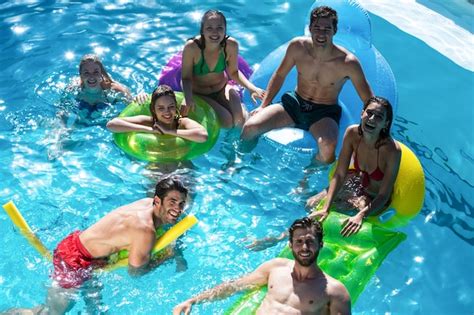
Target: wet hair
x,y
170,183
95,59
307,223
324,12
160,91
385,132
202,42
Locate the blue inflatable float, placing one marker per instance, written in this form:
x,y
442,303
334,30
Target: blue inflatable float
x,y
354,33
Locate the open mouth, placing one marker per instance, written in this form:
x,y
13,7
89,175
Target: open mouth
x,y
305,254
214,38
174,214
321,40
91,82
369,127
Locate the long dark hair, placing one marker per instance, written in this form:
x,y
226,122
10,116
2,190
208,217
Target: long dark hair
x,y
202,42
385,132
160,91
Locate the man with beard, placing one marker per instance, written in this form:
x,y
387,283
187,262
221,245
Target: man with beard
x,y
294,287
131,227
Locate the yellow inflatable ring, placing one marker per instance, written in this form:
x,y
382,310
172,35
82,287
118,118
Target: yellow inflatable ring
x,y
408,192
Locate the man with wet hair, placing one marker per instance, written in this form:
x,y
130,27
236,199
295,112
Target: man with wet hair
x,y
323,68
294,286
131,227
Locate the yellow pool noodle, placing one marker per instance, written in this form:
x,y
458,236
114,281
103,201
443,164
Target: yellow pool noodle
x,y
20,222
172,234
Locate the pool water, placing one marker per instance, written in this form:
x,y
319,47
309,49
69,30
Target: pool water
x,y
65,179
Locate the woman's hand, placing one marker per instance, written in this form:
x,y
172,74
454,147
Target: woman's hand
x,y
141,98
319,215
315,200
157,128
257,93
352,225
186,108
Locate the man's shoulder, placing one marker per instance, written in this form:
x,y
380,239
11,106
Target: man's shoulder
x,y
345,55
336,288
299,41
280,262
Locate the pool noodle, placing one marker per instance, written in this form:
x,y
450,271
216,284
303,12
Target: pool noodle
x,y
172,234
25,229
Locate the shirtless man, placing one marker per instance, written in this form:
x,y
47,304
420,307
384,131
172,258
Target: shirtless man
x,y
131,227
294,287
323,68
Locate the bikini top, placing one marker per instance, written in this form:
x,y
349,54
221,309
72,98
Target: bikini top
x,y
201,68
376,175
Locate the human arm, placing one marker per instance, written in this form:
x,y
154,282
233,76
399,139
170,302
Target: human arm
x,y
237,75
123,90
188,129
339,176
140,123
354,223
187,77
258,277
340,301
358,78
140,251
278,77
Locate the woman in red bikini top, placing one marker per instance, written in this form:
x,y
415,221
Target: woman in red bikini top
x,y
376,162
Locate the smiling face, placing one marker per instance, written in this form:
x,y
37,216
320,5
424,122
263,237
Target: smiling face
x,y
322,31
213,29
91,75
165,109
171,207
374,119
305,246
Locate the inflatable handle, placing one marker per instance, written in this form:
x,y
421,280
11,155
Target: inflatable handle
x,y
25,229
172,234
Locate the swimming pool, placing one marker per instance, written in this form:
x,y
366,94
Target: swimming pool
x,y
235,195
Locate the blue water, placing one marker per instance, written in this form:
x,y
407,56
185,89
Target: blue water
x,y
61,186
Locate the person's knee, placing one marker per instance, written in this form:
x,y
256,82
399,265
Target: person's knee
x,y
250,130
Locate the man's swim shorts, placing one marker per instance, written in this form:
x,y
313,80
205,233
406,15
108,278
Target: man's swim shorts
x,y
305,113
73,264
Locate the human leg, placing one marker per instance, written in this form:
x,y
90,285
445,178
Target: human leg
x,y
223,114
325,131
59,300
234,104
268,118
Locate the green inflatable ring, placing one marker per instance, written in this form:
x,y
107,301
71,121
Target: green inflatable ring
x,y
165,148
352,260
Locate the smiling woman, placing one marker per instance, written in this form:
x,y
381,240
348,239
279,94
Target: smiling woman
x,y
95,84
158,133
164,120
376,158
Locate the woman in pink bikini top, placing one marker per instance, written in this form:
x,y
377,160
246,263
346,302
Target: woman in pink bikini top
x,y
366,188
